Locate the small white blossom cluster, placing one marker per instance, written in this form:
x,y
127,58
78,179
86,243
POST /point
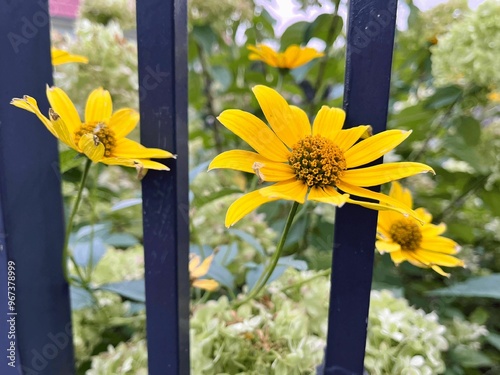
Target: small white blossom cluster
x,y
105,11
469,52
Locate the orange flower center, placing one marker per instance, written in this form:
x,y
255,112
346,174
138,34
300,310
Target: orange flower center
x,y
317,161
104,135
406,232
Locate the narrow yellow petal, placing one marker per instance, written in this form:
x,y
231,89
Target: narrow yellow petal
x,y
244,205
400,193
286,123
382,173
329,122
202,269
433,258
206,284
62,130
423,215
126,148
439,245
135,163
257,134
397,257
301,121
347,137
251,162
99,106
387,246
327,195
386,202
440,271
64,107
293,190
295,56
123,121
29,104
374,147
386,219
431,230
90,146
60,56
194,261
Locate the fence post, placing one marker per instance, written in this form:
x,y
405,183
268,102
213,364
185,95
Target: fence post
x,y
32,225
370,39
162,50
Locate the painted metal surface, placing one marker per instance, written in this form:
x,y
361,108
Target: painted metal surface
x,y
162,47
31,204
370,40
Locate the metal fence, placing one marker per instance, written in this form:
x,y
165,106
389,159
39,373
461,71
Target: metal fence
x,y
35,335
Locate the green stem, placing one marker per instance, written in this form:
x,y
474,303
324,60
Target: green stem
x,y
264,277
69,227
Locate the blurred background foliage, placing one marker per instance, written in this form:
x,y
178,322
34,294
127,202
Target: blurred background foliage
x,y
445,87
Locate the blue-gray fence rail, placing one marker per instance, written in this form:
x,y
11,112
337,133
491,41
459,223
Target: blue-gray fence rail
x,y
31,212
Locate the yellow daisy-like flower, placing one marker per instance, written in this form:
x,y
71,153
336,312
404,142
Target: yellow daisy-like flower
x,y
406,240
60,57
293,57
101,137
199,269
494,96
310,163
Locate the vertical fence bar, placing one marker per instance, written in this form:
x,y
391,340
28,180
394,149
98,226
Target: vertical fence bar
x,y
370,39
30,194
162,48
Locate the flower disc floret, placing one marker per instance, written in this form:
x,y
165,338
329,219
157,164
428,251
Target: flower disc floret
x,y
317,161
406,233
102,133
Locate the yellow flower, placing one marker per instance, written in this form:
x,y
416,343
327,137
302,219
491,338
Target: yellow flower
x,y
60,56
102,136
406,240
494,96
293,57
199,269
310,162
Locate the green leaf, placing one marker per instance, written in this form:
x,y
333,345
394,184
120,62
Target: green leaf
x,y
494,339
121,240
223,76
202,200
80,298
69,159
470,358
469,154
324,25
295,34
469,129
130,289
126,203
205,37
443,97
93,250
485,287
249,239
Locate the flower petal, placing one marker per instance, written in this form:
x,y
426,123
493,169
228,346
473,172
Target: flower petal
x,y
347,137
382,173
64,107
439,245
433,258
257,134
207,284
397,257
60,56
423,215
293,190
431,230
99,106
251,162
386,202
286,123
202,269
128,149
295,56
387,247
327,195
123,121
91,147
194,262
374,147
29,104
244,205
62,130
401,194
302,121
329,122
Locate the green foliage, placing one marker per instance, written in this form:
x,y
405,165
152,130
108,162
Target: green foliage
x,y
106,11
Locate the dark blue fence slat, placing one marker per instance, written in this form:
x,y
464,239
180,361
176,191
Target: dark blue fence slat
x,y
30,195
162,47
370,38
